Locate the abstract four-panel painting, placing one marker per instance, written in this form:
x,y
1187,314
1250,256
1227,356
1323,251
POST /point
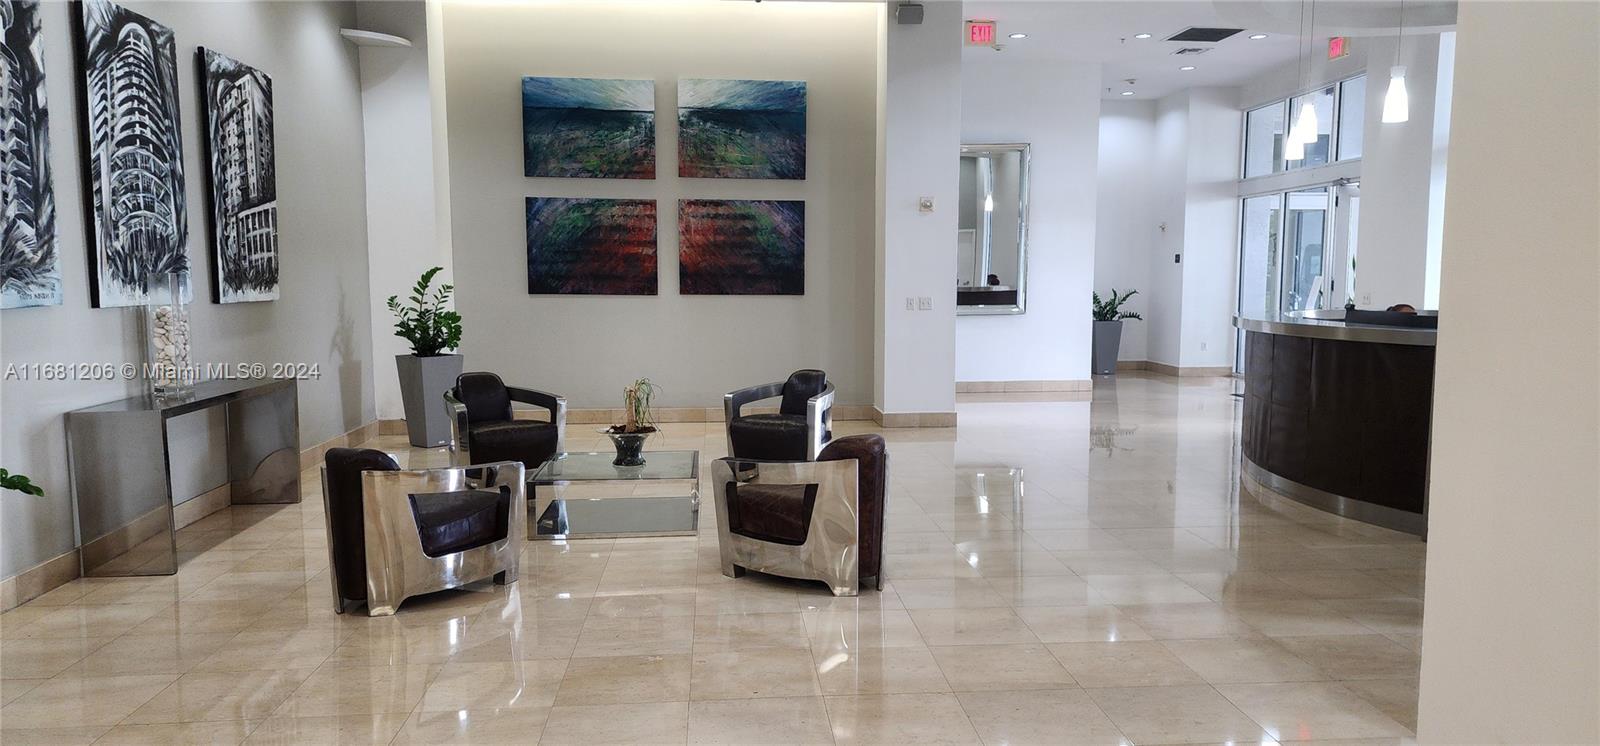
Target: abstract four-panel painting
x,y
582,246
589,127
139,227
741,247
30,274
742,129
244,182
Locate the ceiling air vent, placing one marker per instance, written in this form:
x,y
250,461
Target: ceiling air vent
x,y
1193,50
1196,33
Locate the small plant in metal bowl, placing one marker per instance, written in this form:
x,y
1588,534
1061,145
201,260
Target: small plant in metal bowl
x,y
638,423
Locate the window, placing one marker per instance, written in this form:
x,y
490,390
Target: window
x,y
1263,140
1317,152
1352,112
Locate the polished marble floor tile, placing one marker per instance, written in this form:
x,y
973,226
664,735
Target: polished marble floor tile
x,y
1112,664
1103,581
1060,717
900,718
802,721
1312,711
1177,714
972,668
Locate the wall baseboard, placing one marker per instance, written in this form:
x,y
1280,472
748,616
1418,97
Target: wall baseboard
x,y
202,505
312,456
38,580
1022,387
913,419
392,427
1193,371
1133,365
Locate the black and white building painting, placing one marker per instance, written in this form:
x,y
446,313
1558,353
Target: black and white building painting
x,y
29,272
139,230
244,190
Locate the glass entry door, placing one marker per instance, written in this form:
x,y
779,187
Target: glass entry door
x,y
1305,230
1342,262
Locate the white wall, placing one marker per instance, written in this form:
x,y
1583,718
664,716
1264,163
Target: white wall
x,y
1125,224
1511,628
322,316
1210,229
1194,196
1397,167
920,140
1056,109
1164,300
695,347
404,236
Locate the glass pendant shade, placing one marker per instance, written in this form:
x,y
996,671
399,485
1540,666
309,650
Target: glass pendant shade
x,y
1307,123
1294,148
1396,103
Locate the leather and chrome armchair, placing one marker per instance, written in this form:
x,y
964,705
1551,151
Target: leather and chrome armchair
x,y
394,534
482,429
820,520
798,431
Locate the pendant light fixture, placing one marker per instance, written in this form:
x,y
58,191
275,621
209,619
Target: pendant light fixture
x,y
1294,148
1307,121
1396,102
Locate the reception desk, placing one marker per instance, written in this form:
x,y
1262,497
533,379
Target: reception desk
x,y
1337,416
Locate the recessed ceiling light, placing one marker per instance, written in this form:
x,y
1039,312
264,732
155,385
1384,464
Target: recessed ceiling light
x,y
1258,36
1141,36
1127,93
1186,68
1019,36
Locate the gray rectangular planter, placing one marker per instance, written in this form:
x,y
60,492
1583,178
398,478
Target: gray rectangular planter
x,y
1107,341
423,381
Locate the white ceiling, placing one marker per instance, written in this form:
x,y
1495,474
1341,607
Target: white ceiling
x,y
1102,31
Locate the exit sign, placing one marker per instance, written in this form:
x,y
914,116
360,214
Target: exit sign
x,y
1338,46
980,33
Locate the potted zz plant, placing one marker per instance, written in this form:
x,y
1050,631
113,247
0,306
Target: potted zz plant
x,y
428,371
1108,317
19,483
638,423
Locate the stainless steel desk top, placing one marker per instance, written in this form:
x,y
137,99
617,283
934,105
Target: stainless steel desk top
x,y
206,394
1296,325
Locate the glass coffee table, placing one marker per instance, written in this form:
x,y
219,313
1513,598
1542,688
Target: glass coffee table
x,y
584,496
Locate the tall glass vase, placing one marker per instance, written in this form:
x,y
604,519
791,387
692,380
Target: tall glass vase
x,y
169,367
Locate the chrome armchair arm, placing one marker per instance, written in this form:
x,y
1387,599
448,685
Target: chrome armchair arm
x,y
819,422
397,565
831,552
733,403
556,405
460,446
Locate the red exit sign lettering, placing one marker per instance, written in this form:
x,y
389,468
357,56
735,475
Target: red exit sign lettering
x,y
980,33
1338,46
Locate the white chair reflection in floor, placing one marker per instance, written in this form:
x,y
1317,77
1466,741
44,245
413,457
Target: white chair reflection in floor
x,y
394,534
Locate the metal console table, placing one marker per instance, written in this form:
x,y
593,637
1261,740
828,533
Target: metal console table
x,y
122,468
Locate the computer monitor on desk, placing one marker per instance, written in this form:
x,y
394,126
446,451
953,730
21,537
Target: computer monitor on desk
x,y
1392,318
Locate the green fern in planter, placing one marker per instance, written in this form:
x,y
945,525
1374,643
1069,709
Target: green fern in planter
x,y
425,322
1111,309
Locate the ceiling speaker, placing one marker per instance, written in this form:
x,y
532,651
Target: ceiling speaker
x,y
908,14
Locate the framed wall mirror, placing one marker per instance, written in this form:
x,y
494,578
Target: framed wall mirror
x,y
992,230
